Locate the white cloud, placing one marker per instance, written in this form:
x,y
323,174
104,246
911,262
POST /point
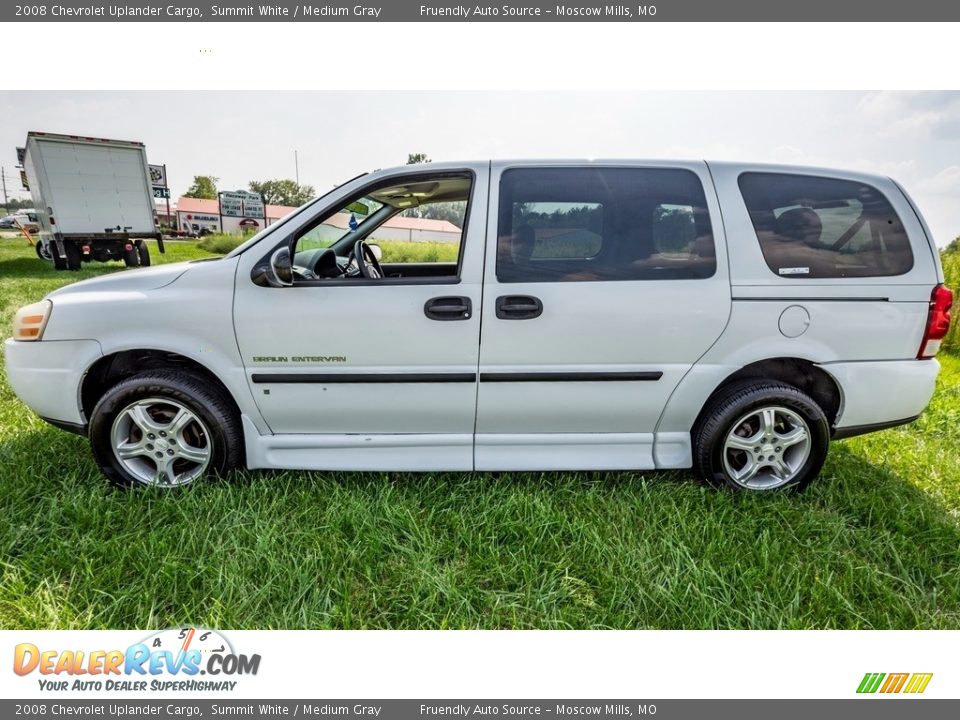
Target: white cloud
x,y
905,114
946,182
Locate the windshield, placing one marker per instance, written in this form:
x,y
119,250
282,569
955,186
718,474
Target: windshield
x,y
243,247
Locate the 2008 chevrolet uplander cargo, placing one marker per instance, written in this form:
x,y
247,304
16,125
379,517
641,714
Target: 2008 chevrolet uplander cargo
x,y
599,315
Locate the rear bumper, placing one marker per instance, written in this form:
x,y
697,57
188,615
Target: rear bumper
x,y
854,430
881,394
46,376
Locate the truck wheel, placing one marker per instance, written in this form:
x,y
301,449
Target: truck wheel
x,y
144,252
165,428
74,257
42,252
59,263
760,436
131,258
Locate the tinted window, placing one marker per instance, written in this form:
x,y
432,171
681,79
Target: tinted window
x,y
816,227
569,224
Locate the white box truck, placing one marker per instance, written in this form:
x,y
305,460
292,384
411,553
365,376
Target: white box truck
x,y
93,198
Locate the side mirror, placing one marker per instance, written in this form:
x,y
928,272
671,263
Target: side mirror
x,y
278,272
376,250
281,267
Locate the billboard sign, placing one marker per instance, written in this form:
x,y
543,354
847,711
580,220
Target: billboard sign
x,y
242,203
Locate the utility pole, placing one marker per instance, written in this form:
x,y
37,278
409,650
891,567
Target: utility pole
x,y
3,174
296,167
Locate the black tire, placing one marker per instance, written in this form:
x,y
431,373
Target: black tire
x,y
131,258
144,254
42,252
191,391
729,413
59,262
74,256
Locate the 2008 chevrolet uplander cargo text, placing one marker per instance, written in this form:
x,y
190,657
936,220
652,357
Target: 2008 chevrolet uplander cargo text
x,y
599,315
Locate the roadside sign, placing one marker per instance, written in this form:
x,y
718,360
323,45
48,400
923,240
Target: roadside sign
x,y
254,208
158,176
230,206
161,193
242,203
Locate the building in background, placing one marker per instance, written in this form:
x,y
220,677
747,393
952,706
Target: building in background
x,y
195,215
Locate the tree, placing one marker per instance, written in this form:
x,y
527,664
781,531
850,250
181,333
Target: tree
x,y
417,158
283,192
18,204
204,187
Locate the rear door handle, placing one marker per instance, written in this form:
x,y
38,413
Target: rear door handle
x,y
518,307
452,307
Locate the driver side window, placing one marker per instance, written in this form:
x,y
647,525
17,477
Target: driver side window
x,y
412,227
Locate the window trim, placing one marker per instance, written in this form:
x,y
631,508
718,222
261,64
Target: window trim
x,y
290,239
673,168
830,278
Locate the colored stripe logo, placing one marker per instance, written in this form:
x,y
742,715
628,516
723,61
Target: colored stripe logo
x,y
888,683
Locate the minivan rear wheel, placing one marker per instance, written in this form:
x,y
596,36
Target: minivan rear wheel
x,y
761,436
164,429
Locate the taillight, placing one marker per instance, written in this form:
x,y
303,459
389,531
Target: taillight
x,y
938,321
29,322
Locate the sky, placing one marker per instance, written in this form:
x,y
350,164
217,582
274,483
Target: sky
x,y
241,136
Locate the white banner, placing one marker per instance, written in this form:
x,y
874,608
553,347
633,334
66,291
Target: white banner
x,y
477,664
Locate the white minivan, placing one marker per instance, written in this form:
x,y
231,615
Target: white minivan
x,y
601,315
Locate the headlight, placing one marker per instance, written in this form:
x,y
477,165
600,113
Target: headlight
x,y
30,320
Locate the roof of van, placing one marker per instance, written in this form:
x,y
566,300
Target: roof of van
x,y
641,162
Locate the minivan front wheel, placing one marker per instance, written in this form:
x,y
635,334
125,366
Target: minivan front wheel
x,y
761,435
164,429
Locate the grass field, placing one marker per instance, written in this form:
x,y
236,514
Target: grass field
x,y
394,251
874,544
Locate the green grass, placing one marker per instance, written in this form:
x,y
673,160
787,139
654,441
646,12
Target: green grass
x,y
951,271
874,544
220,244
394,251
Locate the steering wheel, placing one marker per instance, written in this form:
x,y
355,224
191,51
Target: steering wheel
x,y
367,262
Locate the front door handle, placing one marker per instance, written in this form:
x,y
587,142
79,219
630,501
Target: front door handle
x,y
452,307
518,307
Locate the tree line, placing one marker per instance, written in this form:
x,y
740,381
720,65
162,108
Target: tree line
x,y
275,192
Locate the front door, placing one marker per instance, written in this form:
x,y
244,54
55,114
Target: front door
x,y
604,284
374,366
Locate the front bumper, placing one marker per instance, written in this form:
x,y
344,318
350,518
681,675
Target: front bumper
x,y
46,376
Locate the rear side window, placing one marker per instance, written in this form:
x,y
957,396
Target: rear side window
x,y
570,224
818,227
